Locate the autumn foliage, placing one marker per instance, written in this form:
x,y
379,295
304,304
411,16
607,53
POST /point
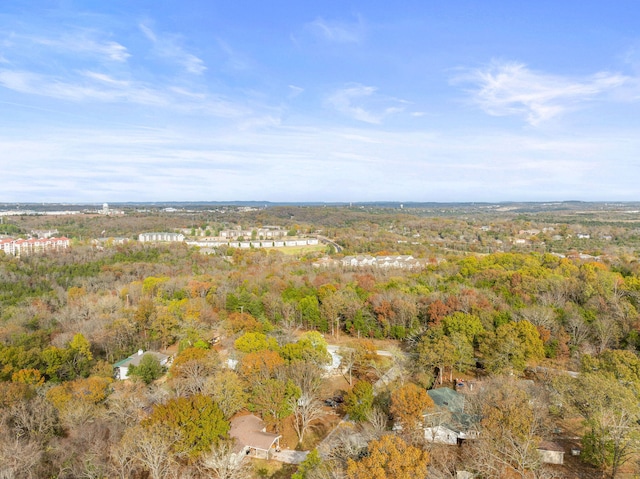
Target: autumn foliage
x,y
408,405
390,457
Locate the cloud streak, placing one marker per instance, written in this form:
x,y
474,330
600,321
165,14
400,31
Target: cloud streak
x,y
90,86
81,41
338,31
510,88
168,47
362,103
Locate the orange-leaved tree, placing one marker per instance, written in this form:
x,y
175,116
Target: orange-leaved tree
x,y
390,457
408,405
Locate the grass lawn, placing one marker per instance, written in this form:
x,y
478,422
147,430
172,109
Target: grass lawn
x,y
298,250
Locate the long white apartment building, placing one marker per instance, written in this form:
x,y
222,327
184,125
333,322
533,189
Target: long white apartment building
x,y
18,247
161,237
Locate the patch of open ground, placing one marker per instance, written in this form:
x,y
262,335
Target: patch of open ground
x,y
272,469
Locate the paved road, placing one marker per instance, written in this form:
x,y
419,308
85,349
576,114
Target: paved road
x,y
289,456
325,240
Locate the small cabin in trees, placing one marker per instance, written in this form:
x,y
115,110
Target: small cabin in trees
x,y
122,367
551,452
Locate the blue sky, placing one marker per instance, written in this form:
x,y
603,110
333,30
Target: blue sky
x,y
196,100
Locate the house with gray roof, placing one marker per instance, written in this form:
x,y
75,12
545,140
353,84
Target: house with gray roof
x,y
449,424
122,367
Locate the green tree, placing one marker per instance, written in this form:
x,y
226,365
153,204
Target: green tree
x,y
164,326
436,351
253,342
309,308
148,370
611,415
306,467
311,347
359,401
80,355
623,366
512,347
56,362
463,357
197,422
467,325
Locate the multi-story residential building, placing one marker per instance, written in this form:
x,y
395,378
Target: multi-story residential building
x,y
20,247
168,237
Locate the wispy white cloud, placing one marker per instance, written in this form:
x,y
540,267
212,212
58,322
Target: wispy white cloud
x,y
109,80
362,103
96,86
86,42
90,86
294,91
234,59
112,50
338,31
510,88
167,46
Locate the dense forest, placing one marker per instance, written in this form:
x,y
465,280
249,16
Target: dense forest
x,y
537,311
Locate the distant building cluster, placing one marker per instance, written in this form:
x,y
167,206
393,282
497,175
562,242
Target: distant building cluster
x,y
254,244
265,232
400,261
161,237
18,247
383,262
44,233
38,213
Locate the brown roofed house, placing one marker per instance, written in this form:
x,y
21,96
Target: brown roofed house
x,y
249,433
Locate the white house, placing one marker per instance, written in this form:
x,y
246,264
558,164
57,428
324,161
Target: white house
x,y
449,424
441,434
122,366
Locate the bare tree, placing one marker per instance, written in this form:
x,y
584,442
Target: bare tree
x,y
577,328
306,375
543,316
346,442
122,460
127,401
306,409
36,419
153,450
514,421
376,424
605,331
192,376
348,360
224,464
19,459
